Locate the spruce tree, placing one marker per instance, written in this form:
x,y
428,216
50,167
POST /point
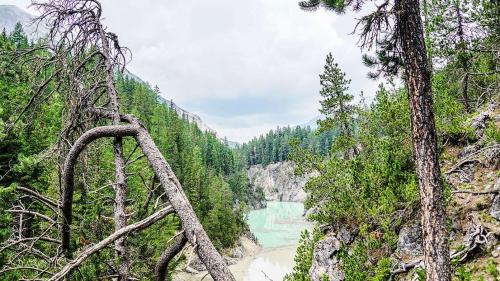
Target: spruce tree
x,y
19,37
336,104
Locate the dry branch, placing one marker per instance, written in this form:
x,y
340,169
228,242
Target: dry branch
x,y
110,239
193,229
162,265
69,169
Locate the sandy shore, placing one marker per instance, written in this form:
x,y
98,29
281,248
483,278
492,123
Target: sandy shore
x,y
273,263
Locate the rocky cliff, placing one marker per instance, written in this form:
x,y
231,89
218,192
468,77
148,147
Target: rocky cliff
x,y
278,181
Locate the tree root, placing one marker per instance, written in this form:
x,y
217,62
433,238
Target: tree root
x,y
477,238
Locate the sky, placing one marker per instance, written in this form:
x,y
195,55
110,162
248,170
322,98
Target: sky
x,y
244,67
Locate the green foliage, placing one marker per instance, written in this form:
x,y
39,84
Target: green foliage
x,y
492,269
369,190
463,274
336,106
277,144
221,222
303,256
492,133
211,174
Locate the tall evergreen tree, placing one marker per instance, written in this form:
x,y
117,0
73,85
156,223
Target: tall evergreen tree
x,y
19,37
398,24
336,104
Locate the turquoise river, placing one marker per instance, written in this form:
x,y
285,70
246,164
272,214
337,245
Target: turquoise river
x,y
277,228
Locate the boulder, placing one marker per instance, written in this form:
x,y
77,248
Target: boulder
x,y
325,262
495,207
410,241
346,235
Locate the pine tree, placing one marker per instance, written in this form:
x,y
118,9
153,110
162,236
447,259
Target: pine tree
x,y
336,104
19,37
398,25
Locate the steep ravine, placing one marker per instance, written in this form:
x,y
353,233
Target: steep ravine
x,y
278,182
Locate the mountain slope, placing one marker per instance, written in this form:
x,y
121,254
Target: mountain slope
x,y
11,14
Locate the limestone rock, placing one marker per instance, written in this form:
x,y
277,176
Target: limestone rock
x,y
325,261
278,181
410,241
345,235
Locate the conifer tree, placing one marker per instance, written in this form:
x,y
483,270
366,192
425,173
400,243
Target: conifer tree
x,y
18,36
336,104
398,25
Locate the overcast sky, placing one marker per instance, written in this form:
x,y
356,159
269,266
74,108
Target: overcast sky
x,y
244,66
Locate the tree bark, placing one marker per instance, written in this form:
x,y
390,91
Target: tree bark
x,y
424,140
121,184
464,61
68,173
193,229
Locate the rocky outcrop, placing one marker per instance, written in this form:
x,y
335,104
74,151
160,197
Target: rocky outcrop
x,y
325,262
278,181
410,242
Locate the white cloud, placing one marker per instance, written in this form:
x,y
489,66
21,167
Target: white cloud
x,y
235,51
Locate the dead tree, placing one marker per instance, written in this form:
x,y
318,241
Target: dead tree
x,y
83,57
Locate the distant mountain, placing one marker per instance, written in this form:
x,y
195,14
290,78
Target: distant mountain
x,y
313,123
11,14
191,117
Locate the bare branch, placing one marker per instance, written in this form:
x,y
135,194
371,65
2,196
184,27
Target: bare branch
x,y
110,239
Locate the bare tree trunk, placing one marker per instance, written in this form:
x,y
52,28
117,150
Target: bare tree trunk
x,y
193,229
418,79
68,173
464,61
108,240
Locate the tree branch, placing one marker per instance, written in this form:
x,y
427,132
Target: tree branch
x,y
140,225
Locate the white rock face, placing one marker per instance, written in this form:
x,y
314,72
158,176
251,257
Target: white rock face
x,y
325,262
278,181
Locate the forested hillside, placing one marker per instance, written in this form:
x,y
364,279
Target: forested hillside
x,y
210,173
102,179
366,200
276,145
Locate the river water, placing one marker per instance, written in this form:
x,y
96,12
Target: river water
x,y
277,228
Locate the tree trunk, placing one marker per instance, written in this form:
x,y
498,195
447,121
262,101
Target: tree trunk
x,y
161,269
193,229
424,140
120,177
464,61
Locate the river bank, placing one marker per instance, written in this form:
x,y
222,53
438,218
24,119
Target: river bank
x,y
277,229
265,264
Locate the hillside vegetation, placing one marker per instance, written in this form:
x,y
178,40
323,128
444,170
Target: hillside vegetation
x,y
212,176
366,200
